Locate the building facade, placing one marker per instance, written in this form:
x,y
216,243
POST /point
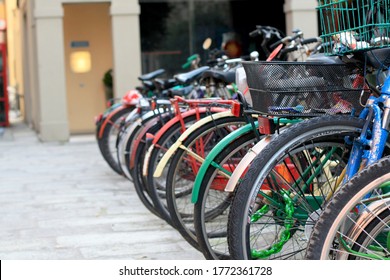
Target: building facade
x,y
59,51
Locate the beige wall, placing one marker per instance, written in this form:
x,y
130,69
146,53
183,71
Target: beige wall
x,y
85,92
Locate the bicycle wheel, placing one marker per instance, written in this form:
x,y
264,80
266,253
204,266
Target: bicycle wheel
x,y
277,202
137,152
183,169
212,207
107,139
356,222
157,185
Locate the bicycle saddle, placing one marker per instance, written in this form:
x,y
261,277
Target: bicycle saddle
x,y
226,77
151,75
165,83
186,78
184,91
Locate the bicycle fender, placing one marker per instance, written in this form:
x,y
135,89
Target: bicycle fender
x,y
226,141
244,163
146,126
107,118
124,138
146,161
168,125
163,162
366,217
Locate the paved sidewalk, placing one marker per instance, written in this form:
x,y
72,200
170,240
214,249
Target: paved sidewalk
x,y
62,201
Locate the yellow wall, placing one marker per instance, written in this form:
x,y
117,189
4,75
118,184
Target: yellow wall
x,y
89,23
2,10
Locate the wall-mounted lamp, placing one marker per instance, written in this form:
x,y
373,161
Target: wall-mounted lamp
x,y
80,61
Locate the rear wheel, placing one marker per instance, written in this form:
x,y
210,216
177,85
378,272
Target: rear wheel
x,y
280,198
157,186
184,167
137,151
213,204
356,222
107,142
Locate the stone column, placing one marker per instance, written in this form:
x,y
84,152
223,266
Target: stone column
x,y
53,123
126,45
301,14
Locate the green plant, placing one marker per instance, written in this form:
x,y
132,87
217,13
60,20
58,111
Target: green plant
x,y
107,79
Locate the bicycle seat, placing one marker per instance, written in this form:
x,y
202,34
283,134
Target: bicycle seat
x,y
151,75
164,84
226,77
149,84
184,91
186,78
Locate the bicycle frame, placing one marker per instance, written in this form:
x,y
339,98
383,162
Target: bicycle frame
x,y
178,118
360,156
105,118
209,160
178,144
235,175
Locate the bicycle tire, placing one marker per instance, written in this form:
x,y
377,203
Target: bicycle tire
x,y
138,147
182,215
276,193
155,185
107,143
357,227
212,207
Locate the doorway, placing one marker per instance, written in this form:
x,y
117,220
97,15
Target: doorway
x,y
88,56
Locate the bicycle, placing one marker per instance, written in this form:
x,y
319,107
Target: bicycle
x,y
179,206
358,225
225,165
251,201
356,222
133,141
108,123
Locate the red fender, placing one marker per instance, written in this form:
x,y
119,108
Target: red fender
x,y
108,119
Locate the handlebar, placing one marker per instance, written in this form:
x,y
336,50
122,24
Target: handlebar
x,y
302,43
287,40
266,31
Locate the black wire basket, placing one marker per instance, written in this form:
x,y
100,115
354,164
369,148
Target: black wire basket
x,y
304,89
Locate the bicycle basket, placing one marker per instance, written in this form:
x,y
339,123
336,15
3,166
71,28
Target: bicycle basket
x,y
348,26
303,88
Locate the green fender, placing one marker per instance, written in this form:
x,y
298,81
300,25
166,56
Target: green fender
x,y
213,153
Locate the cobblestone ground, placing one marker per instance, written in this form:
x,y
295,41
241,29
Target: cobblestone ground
x,y
62,201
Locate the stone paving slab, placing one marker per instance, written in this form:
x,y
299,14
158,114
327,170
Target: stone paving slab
x,y
62,201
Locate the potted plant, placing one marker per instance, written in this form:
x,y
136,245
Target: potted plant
x,y
108,85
